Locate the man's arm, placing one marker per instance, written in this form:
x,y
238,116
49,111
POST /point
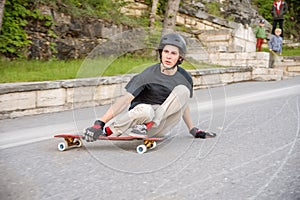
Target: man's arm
x,y
197,133
187,118
120,104
92,133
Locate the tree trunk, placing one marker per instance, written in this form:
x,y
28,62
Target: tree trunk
x,y
2,5
170,16
153,13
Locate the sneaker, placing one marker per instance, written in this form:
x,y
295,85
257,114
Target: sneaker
x,y
139,130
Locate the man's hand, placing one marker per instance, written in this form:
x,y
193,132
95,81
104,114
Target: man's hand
x,y
91,134
201,134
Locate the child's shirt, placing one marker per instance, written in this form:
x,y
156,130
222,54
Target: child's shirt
x,y
260,32
275,43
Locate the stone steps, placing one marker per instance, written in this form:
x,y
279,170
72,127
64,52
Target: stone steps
x,y
290,65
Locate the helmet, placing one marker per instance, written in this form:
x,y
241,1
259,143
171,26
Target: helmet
x,y
175,40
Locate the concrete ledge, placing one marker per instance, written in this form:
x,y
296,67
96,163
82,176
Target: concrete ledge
x,y
20,99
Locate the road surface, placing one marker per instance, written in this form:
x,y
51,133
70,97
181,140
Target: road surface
x,y
256,154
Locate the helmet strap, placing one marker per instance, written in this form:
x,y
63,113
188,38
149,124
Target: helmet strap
x,y
167,69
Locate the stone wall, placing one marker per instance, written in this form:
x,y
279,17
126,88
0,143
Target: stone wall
x,y
21,99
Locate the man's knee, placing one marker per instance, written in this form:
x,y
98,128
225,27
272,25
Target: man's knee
x,y
182,92
144,112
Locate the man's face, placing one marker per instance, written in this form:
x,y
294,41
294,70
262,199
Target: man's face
x,y
170,56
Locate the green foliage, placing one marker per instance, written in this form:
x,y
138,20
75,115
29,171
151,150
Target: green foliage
x,y
161,6
14,39
214,8
104,9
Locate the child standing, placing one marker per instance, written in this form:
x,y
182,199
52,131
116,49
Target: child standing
x,y
275,47
275,43
260,34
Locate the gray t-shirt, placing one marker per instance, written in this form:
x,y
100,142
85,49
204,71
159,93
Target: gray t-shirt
x,y
153,87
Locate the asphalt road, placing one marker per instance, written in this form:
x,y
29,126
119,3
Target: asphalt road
x,y
256,154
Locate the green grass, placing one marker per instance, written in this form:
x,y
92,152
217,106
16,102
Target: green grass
x,y
287,51
290,51
34,70
30,71
25,71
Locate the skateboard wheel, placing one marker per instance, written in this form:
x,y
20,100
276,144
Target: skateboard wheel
x,y
153,145
62,146
78,142
141,149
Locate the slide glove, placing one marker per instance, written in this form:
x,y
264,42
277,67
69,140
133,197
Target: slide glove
x,y
91,134
197,133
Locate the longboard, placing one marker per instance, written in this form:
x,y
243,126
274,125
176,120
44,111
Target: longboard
x,y
72,140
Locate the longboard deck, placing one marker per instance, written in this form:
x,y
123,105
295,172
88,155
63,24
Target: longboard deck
x,y
72,140
121,137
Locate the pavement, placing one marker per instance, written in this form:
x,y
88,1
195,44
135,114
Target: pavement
x,y
256,154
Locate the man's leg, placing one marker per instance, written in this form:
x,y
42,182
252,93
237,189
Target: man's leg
x,y
166,114
138,115
281,27
274,26
174,104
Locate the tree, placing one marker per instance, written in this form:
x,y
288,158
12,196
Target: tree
x,y
170,16
153,13
2,5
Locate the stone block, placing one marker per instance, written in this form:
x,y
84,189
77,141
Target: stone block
x,y
180,20
227,56
197,80
241,56
224,37
214,56
82,94
266,77
199,26
277,72
293,68
223,62
56,97
250,46
226,78
211,79
18,100
259,71
108,92
242,76
258,63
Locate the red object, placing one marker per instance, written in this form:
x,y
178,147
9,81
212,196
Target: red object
x,y
149,125
259,43
278,8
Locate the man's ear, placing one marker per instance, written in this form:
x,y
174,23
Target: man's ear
x,y
180,60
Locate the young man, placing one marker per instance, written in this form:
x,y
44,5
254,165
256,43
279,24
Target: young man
x,y
158,98
278,10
